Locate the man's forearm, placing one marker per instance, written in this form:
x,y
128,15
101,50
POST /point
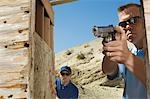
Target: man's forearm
x,y
136,65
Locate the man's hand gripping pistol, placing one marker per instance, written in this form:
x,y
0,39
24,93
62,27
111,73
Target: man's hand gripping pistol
x,y
106,32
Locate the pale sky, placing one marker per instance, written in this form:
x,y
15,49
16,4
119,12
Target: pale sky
x,y
74,21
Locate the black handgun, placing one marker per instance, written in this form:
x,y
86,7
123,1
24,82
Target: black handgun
x,y
106,32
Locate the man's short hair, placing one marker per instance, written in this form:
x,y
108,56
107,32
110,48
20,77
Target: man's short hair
x,y
121,8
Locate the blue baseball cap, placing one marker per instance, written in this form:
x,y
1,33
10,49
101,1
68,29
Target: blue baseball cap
x,y
66,69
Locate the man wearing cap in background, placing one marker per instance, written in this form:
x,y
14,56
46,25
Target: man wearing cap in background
x,y
65,89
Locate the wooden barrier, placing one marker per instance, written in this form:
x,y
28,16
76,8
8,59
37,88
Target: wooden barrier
x,y
26,49
146,9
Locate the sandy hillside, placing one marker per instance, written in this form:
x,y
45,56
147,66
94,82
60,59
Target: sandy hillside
x,y
85,61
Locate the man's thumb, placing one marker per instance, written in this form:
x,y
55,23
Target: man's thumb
x,y
120,33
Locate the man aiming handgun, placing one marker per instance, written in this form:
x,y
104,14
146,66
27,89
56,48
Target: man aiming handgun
x,y
119,59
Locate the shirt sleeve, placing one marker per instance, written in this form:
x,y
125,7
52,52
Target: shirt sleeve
x,y
76,93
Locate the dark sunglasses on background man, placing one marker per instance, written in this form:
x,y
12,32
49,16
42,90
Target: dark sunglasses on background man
x,y
67,74
132,20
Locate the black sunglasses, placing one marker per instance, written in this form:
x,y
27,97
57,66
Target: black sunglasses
x,y
132,20
67,74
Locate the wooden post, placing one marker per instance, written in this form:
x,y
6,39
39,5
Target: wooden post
x,y
51,36
47,30
39,18
146,7
44,87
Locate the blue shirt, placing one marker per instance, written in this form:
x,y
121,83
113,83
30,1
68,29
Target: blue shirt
x,y
69,91
133,89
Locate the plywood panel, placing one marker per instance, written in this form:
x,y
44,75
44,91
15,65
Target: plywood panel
x,y
43,73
